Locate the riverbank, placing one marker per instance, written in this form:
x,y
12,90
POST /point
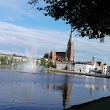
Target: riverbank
x,y
7,67
77,73
99,104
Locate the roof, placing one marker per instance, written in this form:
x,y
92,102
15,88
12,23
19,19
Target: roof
x,y
46,55
61,54
87,63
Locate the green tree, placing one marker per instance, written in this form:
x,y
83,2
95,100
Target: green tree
x,y
10,61
66,67
4,60
50,63
90,17
43,62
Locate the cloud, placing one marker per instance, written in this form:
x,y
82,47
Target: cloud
x,y
8,18
43,40
17,39
86,48
16,10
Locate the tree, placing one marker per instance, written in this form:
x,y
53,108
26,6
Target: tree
x,y
43,62
66,67
50,63
4,60
10,61
90,17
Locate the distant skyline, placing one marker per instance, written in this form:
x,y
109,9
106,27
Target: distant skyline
x,y
22,29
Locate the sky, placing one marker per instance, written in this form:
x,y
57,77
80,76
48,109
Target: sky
x,y
23,29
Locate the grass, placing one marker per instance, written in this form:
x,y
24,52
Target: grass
x,y
53,71
7,67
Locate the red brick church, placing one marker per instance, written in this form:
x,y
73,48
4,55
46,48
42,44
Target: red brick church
x,y
63,56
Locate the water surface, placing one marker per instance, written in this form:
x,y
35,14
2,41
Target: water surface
x,y
48,91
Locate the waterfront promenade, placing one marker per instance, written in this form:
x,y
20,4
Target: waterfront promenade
x,y
78,73
88,74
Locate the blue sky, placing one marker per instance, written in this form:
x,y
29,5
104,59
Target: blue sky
x,y
22,29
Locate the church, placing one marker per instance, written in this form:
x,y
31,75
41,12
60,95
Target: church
x,y
68,55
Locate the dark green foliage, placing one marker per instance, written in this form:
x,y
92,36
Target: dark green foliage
x,y
4,60
10,61
43,62
90,17
49,63
66,67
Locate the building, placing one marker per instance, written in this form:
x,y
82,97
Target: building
x,y
57,56
68,55
70,49
106,69
62,66
83,67
46,55
86,67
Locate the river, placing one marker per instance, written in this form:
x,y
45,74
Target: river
x,y
48,91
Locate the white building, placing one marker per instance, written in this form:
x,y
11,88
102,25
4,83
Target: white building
x,y
84,67
106,69
61,66
90,67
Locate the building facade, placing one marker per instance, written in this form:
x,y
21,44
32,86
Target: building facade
x,y
61,66
83,67
106,69
68,55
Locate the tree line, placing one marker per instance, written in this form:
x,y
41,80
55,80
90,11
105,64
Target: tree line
x,y
9,60
47,63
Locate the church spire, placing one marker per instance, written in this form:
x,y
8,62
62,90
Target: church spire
x,y
71,36
70,48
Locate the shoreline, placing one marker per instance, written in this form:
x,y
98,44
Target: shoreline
x,y
97,104
89,74
78,73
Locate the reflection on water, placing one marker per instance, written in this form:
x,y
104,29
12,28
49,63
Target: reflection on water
x,y
96,87
43,91
65,88
66,91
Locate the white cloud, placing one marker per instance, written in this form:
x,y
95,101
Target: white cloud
x,y
16,10
17,39
86,48
44,40
8,18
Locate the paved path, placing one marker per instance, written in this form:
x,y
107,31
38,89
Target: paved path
x,y
89,74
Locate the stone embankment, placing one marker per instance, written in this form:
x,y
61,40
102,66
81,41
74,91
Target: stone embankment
x,y
77,73
88,74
